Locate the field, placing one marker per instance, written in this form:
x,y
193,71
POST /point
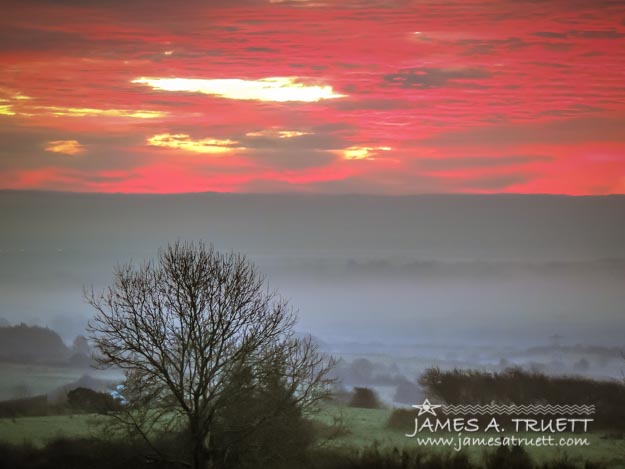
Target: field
x,y
360,428
344,427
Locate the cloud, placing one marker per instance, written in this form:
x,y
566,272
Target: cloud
x,y
451,163
15,39
375,104
276,133
494,182
578,130
588,34
90,112
291,139
25,106
362,153
67,147
274,89
290,159
186,143
436,77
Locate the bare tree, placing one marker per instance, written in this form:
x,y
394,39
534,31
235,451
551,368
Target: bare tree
x,y
182,327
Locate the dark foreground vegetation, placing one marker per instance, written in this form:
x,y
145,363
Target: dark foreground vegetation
x,y
76,401
103,454
516,386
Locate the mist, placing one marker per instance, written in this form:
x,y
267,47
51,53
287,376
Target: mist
x,y
502,270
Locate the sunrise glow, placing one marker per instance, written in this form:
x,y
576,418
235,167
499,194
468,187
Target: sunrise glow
x,y
68,147
362,153
276,89
186,143
315,97
272,133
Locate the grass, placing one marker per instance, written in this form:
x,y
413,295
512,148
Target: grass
x,y
40,430
367,427
362,428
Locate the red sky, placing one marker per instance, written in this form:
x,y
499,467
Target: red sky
x,y
362,96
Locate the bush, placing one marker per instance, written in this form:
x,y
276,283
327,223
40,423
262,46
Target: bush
x,y
87,400
365,398
262,426
402,419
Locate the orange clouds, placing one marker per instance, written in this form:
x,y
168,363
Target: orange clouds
x,y
362,153
67,147
186,143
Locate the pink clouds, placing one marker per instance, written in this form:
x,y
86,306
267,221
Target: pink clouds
x,y
531,91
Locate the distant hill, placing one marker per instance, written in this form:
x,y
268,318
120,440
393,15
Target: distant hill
x,y
31,344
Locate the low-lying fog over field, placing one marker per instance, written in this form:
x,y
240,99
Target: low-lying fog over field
x,y
488,280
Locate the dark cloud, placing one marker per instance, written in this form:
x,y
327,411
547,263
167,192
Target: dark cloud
x,y
261,49
495,182
488,46
584,34
583,129
550,34
15,39
342,128
436,77
302,142
291,158
373,104
24,148
437,164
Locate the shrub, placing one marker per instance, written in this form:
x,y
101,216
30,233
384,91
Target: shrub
x,y
88,400
402,419
365,398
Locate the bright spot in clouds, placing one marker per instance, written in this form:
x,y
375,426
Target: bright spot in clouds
x,y
18,104
68,147
89,112
275,89
277,133
186,143
362,153
6,110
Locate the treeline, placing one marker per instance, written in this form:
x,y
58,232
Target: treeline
x,y
516,386
78,400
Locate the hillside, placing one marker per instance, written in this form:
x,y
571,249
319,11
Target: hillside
x,y
31,344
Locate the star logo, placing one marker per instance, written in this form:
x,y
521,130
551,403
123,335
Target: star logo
x,y
426,408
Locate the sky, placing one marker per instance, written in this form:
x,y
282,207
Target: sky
x,y
325,97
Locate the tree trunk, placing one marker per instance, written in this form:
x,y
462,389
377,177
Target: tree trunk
x,y
202,455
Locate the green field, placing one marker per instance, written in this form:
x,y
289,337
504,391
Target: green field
x,y
360,428
367,427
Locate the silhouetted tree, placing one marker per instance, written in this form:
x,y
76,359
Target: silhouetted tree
x,y
186,326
